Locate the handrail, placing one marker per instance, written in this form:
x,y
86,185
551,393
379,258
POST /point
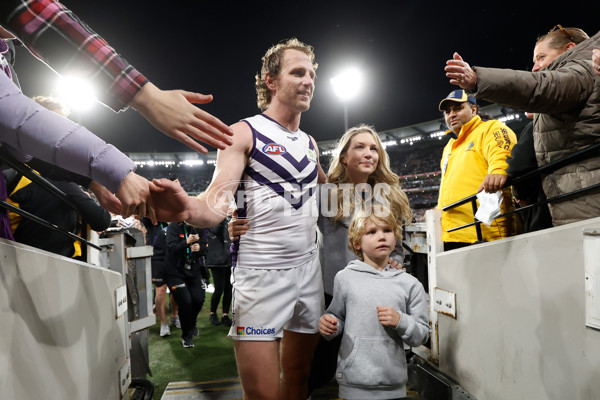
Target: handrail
x,y
538,171
28,172
20,167
47,224
530,174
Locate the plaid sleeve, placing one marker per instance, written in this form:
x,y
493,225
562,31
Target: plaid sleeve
x,y
59,38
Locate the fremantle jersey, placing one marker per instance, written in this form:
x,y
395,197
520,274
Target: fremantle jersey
x,y
277,195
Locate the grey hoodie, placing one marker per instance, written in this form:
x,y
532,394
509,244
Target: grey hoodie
x,y
371,360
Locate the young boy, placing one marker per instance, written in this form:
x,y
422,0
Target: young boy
x,y
379,308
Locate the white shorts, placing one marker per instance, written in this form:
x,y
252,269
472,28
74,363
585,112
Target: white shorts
x,y
267,301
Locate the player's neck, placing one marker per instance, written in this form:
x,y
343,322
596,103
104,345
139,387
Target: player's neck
x,y
286,117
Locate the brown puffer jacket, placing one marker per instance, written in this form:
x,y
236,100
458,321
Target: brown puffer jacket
x,y
566,99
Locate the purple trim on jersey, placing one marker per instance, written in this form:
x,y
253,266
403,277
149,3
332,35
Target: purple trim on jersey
x,y
299,165
253,149
266,182
272,120
277,188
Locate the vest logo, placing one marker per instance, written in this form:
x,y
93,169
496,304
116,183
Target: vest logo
x,y
240,330
274,149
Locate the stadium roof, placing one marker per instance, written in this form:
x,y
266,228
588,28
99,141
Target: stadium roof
x,y
400,136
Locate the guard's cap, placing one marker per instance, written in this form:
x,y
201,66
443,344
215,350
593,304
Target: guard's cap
x,y
459,96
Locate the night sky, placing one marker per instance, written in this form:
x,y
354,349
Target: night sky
x,y
215,47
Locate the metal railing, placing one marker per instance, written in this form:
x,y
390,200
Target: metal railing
x,y
27,172
579,155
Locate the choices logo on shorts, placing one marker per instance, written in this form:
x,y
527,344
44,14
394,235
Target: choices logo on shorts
x,y
250,330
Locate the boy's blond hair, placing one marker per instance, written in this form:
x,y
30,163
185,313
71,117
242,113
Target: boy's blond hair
x,y
378,214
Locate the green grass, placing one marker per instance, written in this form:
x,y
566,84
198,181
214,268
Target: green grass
x,y
211,358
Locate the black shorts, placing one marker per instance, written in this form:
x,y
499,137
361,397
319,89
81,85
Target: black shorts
x,y
159,272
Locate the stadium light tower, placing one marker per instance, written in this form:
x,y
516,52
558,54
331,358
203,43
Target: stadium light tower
x,y
347,86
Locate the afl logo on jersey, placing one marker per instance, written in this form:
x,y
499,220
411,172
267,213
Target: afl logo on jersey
x,y
273,149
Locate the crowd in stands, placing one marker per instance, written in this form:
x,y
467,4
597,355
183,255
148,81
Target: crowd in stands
x,y
418,166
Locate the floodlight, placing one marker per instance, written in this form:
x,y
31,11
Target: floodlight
x,y
76,92
347,84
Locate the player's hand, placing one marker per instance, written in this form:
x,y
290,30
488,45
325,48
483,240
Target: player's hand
x,y
237,226
170,201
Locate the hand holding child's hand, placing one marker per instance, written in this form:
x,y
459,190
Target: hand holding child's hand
x,y
387,316
328,325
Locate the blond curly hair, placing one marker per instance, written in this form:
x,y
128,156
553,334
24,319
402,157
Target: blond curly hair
x,y
271,65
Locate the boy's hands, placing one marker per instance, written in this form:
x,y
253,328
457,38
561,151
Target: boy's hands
x,y
328,325
387,316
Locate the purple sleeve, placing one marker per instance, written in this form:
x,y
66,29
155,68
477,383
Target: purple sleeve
x,y
28,128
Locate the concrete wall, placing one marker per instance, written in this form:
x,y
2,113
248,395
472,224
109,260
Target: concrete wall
x,y
520,330
59,335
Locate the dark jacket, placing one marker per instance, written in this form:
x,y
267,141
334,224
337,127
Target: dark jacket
x,y
156,236
38,201
218,252
181,261
521,161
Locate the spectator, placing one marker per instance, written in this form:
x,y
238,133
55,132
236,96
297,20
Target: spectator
x,y
185,276
55,35
156,236
473,160
596,61
28,128
565,97
40,202
218,260
378,308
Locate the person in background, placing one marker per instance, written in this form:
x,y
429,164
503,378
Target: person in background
x,y
38,201
596,61
474,159
218,260
186,275
156,236
379,309
523,158
565,98
56,36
